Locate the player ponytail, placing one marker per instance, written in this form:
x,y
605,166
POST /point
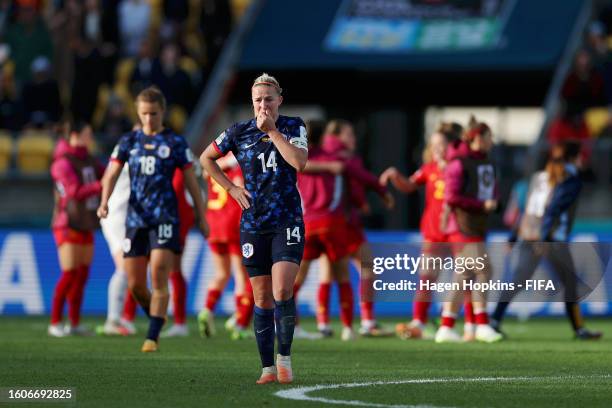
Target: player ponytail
x,y
476,128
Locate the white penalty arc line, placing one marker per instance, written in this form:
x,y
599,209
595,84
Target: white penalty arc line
x,y
300,393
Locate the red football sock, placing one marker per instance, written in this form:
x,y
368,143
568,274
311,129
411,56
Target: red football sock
x,y
323,295
448,320
129,307
421,303
366,305
367,310
212,298
482,318
424,295
244,309
179,296
75,295
420,310
245,304
59,295
346,304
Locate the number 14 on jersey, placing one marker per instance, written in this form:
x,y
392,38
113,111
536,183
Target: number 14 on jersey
x,y
270,163
293,233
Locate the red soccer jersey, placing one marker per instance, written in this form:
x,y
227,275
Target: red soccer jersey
x,y
432,177
185,209
223,212
322,193
184,206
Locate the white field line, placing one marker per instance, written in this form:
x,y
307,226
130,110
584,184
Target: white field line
x,y
300,393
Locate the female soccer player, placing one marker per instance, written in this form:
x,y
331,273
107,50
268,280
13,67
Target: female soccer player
x,y
76,175
430,174
153,153
223,215
322,189
340,140
471,194
270,148
549,215
112,230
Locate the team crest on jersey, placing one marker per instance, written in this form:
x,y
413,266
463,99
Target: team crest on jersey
x,y
163,151
133,152
247,250
126,245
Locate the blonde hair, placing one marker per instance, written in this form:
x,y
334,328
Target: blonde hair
x,y
268,80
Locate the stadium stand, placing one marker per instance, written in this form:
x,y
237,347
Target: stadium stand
x,y
34,153
6,152
79,62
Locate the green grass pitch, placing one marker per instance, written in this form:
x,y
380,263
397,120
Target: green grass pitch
x,y
541,366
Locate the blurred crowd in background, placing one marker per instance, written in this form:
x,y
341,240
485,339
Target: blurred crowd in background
x,y
586,96
86,59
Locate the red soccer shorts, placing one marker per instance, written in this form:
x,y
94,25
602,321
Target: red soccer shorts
x,y
355,237
70,236
326,236
224,248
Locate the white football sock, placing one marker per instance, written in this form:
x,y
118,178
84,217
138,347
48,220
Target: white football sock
x,y
116,294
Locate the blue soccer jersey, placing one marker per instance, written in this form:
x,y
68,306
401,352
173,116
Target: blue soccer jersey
x,y
275,202
152,161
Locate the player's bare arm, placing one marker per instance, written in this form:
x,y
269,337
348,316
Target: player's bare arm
x,y
108,185
399,181
208,161
334,167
